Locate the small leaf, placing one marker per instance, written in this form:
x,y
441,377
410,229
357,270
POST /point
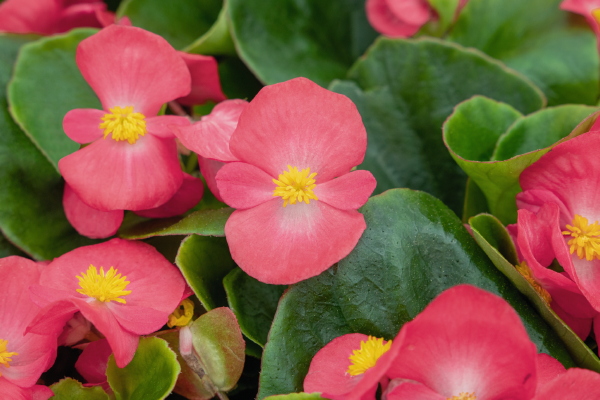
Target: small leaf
x,y
70,389
219,344
296,396
151,375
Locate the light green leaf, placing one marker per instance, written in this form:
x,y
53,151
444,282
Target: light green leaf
x,y
70,389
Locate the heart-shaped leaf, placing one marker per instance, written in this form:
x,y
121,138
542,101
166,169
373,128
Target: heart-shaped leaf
x,y
296,396
70,389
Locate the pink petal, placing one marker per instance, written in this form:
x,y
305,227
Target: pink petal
x,y
41,392
413,12
581,326
80,15
93,361
548,369
109,175
128,66
280,245
327,373
484,347
82,124
14,392
52,318
386,22
210,136
29,16
209,170
299,123
513,231
189,194
206,84
410,390
139,320
75,330
159,126
87,220
575,384
348,192
244,186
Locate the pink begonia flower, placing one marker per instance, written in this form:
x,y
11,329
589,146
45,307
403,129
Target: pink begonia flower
x,y
484,353
76,329
132,161
23,356
93,361
124,288
209,138
47,17
566,180
295,196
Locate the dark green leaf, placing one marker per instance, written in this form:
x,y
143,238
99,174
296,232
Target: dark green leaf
x,y
475,201
284,39
414,248
8,249
46,85
151,375
404,91
217,40
254,303
70,389
236,79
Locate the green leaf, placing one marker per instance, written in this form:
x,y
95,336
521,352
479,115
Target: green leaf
x,y
70,389
534,37
218,342
217,40
46,85
493,238
414,248
151,375
180,22
446,11
254,303
210,222
237,81
475,201
474,125
30,188
404,91
284,39
8,249
204,261
296,396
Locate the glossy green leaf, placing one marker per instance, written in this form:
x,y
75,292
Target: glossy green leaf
x,y
70,389
30,188
475,201
296,396
254,303
414,248
284,39
535,38
209,222
404,90
204,262
493,238
46,85
218,342
151,375
217,40
180,22
446,11
237,81
476,123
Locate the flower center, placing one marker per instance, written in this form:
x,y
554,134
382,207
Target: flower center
x,y
584,238
124,124
182,315
464,396
103,287
295,186
524,270
5,356
366,357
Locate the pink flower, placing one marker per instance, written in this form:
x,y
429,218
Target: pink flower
x,y
132,161
93,361
209,138
295,196
47,17
206,84
76,329
125,289
467,342
23,356
398,18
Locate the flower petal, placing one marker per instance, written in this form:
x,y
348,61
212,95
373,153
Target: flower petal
x,y
128,66
159,126
348,192
80,15
209,169
82,124
410,390
109,175
189,194
244,186
87,220
29,16
548,369
414,12
280,245
386,22
206,84
575,384
92,362
299,123
138,320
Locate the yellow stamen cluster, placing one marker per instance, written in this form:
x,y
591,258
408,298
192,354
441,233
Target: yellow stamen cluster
x,y
366,357
464,396
295,186
102,286
585,238
124,124
182,315
5,356
524,269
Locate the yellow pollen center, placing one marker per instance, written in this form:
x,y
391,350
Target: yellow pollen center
x,y
5,356
295,186
124,124
464,396
103,287
366,357
182,315
585,238
524,270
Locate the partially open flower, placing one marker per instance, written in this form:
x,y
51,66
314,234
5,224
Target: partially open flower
x,y
398,18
